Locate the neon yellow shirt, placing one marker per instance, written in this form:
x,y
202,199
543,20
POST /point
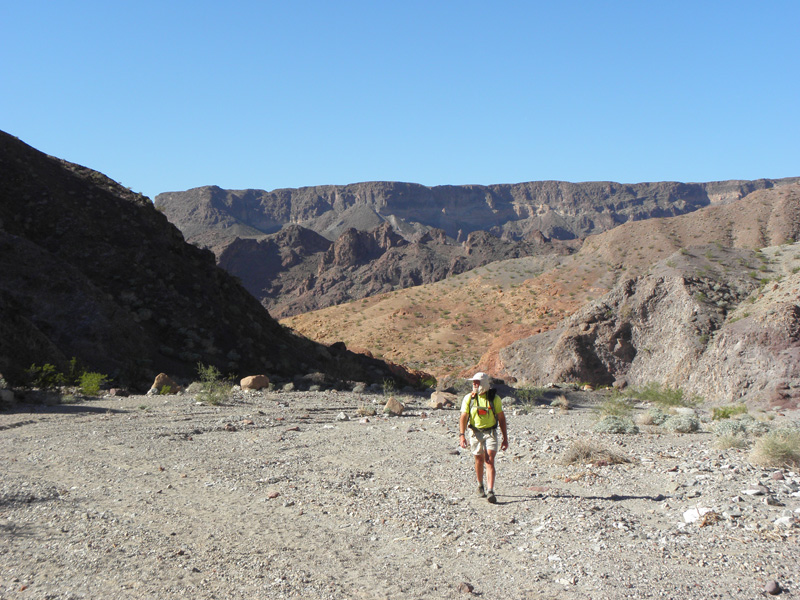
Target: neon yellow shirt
x,y
479,405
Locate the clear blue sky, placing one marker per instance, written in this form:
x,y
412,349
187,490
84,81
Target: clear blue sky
x,y
168,95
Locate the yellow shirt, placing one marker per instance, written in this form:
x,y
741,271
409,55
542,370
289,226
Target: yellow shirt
x,y
480,416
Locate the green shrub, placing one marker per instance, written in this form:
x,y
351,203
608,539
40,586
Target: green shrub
x,y
45,377
663,395
726,412
615,424
616,406
389,386
90,383
529,394
212,389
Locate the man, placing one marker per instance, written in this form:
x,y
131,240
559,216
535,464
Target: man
x,y
482,412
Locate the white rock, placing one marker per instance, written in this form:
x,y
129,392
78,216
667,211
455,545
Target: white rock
x,y
693,514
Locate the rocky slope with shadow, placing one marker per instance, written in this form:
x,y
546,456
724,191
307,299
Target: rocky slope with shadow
x,y
717,322
93,271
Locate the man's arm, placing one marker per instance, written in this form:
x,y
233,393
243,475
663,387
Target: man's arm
x,y
501,420
463,421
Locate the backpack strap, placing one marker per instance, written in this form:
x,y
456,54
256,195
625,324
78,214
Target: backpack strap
x,y
490,396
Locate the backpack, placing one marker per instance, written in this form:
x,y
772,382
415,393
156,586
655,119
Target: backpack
x,y
490,395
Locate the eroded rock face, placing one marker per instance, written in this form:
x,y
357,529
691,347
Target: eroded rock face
x,y
682,325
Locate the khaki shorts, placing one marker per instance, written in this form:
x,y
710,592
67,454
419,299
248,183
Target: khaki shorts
x,y
478,440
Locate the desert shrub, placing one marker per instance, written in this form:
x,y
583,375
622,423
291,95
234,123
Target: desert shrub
x,y
428,382
746,424
730,440
45,376
663,395
654,416
561,402
731,427
388,386
90,383
779,448
616,406
728,411
213,390
529,394
682,424
587,451
615,424
365,410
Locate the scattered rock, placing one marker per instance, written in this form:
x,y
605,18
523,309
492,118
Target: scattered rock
x,y
442,400
164,382
465,588
773,588
254,382
394,407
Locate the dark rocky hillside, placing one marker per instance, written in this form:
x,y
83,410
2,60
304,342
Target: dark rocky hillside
x,y
93,271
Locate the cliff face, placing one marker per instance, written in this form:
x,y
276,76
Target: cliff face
x,y
93,271
558,210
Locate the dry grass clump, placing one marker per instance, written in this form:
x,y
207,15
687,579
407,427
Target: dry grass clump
x,y
654,416
561,403
729,441
780,448
365,410
589,452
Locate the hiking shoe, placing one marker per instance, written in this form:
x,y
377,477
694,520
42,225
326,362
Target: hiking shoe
x,y
481,491
491,497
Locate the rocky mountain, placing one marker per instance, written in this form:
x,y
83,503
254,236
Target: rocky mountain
x,y
559,210
93,271
385,236
296,270
470,321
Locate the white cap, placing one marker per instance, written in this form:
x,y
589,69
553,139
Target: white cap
x,y
482,377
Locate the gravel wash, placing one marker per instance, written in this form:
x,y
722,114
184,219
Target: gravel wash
x,y
297,495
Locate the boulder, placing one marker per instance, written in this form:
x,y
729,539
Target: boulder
x,y
162,381
443,400
394,407
254,382
6,397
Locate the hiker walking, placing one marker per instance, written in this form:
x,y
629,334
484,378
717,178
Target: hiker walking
x,y
482,412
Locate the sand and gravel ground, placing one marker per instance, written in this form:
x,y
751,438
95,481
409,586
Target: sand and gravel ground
x,y
274,496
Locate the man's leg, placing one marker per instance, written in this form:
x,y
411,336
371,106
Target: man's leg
x,y
479,467
490,472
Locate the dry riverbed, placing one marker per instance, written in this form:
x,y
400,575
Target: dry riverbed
x,y
277,496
